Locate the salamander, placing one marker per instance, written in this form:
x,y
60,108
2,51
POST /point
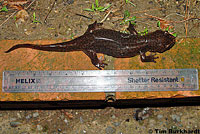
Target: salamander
x,y
112,43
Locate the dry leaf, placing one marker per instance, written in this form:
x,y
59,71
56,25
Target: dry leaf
x,y
28,32
165,25
16,4
21,17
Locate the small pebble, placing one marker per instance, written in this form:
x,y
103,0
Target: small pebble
x,y
39,127
19,115
70,2
113,117
110,130
15,124
84,131
66,121
36,114
188,127
152,122
81,120
116,124
176,118
62,117
159,116
59,130
13,119
28,116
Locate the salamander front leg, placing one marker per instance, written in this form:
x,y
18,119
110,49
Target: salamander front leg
x,y
94,59
131,29
149,58
94,26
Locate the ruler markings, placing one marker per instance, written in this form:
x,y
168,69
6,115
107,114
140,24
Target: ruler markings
x,y
101,80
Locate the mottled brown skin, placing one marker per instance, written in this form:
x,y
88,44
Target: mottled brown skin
x,y
113,43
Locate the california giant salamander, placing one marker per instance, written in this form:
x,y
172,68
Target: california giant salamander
x,y
113,43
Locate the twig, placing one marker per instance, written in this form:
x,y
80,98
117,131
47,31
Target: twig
x,y
185,20
45,20
84,16
179,42
174,14
186,17
158,18
8,18
108,15
15,13
143,11
30,4
189,36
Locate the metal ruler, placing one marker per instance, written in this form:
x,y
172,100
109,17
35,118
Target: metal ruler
x,y
101,80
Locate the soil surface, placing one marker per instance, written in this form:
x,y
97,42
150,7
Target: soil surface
x,y
64,23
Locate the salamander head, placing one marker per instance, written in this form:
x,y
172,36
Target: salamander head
x,y
165,41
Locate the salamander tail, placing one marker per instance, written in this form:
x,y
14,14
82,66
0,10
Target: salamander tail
x,y
20,46
73,45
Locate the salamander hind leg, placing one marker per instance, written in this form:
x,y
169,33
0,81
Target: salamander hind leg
x,y
149,58
131,29
94,59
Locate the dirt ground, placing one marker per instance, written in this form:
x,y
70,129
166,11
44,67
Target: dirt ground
x,y
64,23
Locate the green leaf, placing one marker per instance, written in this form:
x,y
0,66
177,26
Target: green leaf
x,y
97,3
131,3
158,24
109,5
127,1
143,32
170,30
167,29
96,7
146,31
174,34
105,8
88,9
72,36
126,14
4,9
129,20
133,23
16,25
15,17
36,21
100,8
93,7
133,18
34,16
